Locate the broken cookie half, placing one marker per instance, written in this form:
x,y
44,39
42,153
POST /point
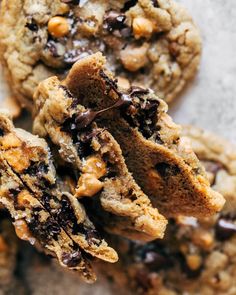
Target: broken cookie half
x,y
162,162
44,213
96,158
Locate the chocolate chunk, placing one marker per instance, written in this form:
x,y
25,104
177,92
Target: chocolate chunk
x,y
138,91
37,169
114,21
66,215
1,132
72,259
52,48
155,261
126,32
129,4
142,277
155,3
32,26
74,2
225,229
167,170
13,192
46,230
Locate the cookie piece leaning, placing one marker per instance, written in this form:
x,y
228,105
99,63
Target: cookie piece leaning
x,y
146,42
46,210
98,163
197,256
161,161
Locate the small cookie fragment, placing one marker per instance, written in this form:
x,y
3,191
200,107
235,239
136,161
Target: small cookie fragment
x,y
45,213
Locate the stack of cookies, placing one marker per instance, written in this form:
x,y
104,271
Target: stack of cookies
x,y
107,182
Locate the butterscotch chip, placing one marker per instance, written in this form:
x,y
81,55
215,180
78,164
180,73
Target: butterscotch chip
x,y
96,166
10,141
25,200
88,185
17,159
142,27
194,261
22,230
58,26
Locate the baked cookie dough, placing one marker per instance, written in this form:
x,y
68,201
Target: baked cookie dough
x,y
161,161
44,213
197,256
98,163
153,43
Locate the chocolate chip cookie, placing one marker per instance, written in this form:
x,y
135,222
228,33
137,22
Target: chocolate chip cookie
x,y
146,42
98,163
161,161
44,213
197,256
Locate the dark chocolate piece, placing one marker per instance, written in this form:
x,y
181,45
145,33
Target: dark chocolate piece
x,y
114,21
225,229
71,260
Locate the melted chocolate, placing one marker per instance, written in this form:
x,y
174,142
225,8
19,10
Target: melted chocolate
x,y
84,119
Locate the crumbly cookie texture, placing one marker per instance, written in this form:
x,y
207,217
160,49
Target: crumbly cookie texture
x,y
103,180
161,161
146,42
44,213
197,256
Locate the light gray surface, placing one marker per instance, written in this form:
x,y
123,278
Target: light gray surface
x,y
208,102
